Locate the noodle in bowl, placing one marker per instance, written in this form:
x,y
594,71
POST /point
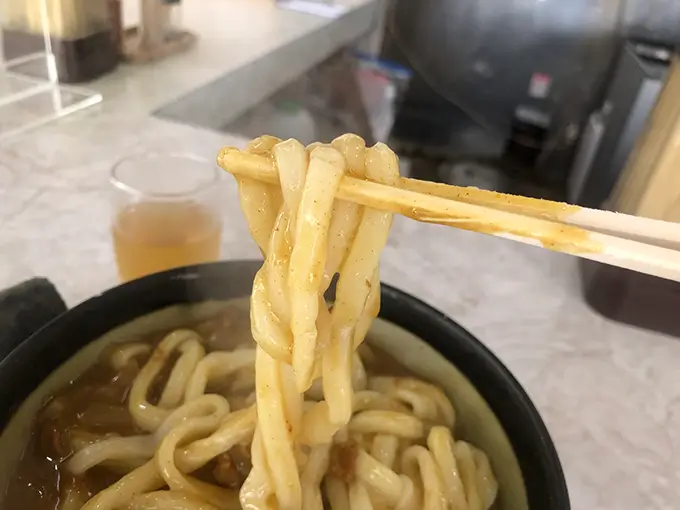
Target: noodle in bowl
x,y
491,411
280,403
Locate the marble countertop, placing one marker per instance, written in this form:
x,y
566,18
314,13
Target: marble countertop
x,y
610,394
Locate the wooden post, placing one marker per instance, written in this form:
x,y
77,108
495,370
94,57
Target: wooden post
x,y
650,183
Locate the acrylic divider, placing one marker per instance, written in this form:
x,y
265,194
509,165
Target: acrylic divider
x,y
30,92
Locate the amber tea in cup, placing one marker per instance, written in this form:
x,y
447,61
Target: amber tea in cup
x,y
166,213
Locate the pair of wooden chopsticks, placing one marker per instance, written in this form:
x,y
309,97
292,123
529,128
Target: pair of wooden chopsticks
x,y
641,244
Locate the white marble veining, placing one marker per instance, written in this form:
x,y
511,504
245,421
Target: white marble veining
x,y
610,394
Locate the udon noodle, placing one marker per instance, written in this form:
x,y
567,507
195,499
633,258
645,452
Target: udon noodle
x,y
318,429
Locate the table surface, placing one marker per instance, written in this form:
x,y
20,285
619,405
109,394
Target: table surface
x,y
610,394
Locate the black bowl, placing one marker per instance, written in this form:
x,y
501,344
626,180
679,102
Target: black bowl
x,y
37,357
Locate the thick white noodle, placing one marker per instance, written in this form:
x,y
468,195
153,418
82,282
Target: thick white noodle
x,y
216,365
357,278
123,354
441,444
188,344
308,258
111,449
378,477
277,440
205,422
168,500
312,476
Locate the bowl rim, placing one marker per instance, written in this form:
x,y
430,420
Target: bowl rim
x,y
65,335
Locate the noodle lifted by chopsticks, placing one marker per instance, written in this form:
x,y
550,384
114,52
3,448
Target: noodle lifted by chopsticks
x,y
312,237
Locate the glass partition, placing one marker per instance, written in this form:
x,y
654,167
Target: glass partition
x,y
30,90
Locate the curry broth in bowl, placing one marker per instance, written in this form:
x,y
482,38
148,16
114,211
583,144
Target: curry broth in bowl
x,y
86,399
